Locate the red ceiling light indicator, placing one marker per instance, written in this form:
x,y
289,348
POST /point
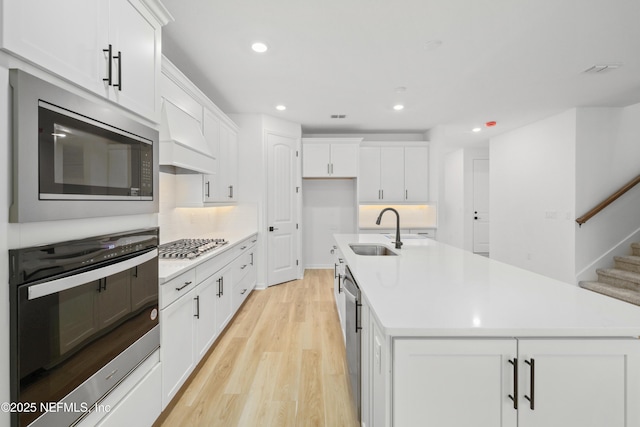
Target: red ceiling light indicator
x,y
490,124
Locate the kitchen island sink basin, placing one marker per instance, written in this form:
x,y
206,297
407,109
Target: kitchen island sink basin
x,y
371,250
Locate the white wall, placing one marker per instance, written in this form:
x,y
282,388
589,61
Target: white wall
x,y
252,173
532,196
608,156
328,207
451,206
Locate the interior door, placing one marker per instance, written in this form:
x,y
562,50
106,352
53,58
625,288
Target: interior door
x,y
282,209
481,206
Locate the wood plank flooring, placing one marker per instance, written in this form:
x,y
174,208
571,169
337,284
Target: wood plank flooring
x,y
280,363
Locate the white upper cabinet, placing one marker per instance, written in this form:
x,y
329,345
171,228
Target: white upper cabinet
x,y
110,47
393,174
227,179
416,174
330,157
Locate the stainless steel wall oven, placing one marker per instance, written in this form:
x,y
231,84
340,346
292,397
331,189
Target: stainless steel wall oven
x,y
75,158
84,314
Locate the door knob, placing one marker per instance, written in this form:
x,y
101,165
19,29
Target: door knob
x,y
475,217
272,229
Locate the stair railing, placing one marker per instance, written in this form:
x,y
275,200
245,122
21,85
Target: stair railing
x,y
628,186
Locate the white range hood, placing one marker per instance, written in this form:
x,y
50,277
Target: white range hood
x,y
182,143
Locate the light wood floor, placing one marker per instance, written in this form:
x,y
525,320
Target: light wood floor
x,y
280,363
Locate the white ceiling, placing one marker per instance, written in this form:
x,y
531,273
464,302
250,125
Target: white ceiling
x,y
512,61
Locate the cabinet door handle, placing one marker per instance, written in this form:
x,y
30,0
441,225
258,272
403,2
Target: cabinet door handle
x,y
382,194
358,327
183,286
331,168
514,397
328,169
339,283
207,186
197,299
406,194
243,291
231,191
119,58
109,78
532,368
251,259
335,270
219,294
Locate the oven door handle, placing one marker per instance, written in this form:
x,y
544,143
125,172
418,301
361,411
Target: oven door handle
x,y
71,281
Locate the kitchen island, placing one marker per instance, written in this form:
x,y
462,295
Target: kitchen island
x,y
450,338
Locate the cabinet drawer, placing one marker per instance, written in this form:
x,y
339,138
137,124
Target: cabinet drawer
x,y
241,291
213,265
176,287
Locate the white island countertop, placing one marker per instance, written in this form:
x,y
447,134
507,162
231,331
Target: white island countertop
x,y
433,289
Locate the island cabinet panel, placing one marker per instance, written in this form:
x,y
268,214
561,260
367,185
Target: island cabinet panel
x,y
579,382
452,383
559,382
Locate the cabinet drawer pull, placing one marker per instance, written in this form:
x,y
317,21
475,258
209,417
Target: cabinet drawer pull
x,y
243,291
514,397
243,248
532,368
243,267
184,286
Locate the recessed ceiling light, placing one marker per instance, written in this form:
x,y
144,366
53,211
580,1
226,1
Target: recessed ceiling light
x,y
259,47
476,129
281,107
401,89
398,107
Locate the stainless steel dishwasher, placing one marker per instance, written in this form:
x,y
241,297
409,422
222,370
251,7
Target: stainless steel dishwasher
x,y
353,335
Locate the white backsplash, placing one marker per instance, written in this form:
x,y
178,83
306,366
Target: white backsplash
x,y
178,223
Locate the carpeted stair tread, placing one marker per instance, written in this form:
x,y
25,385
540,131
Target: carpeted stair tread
x,y
619,278
629,263
628,295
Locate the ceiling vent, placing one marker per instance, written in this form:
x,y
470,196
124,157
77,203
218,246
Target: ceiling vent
x,y
602,68
338,116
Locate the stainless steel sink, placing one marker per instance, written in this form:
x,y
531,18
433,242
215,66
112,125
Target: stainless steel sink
x,y
371,249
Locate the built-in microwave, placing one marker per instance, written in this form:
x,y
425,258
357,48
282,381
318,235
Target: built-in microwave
x,y
77,158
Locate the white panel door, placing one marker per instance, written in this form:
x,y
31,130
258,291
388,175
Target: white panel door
x,y
454,382
369,175
344,160
282,243
416,174
316,160
481,206
579,383
392,174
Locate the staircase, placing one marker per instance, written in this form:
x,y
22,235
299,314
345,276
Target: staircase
x,y
622,281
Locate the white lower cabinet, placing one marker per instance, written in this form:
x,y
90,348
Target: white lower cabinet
x,y
338,274
515,382
196,306
176,345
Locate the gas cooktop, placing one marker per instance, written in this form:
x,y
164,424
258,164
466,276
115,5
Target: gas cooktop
x,y
188,248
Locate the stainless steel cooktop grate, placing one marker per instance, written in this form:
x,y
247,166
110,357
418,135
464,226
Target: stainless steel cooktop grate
x,y
189,248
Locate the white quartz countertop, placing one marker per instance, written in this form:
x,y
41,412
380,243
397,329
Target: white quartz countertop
x,y
170,268
433,289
